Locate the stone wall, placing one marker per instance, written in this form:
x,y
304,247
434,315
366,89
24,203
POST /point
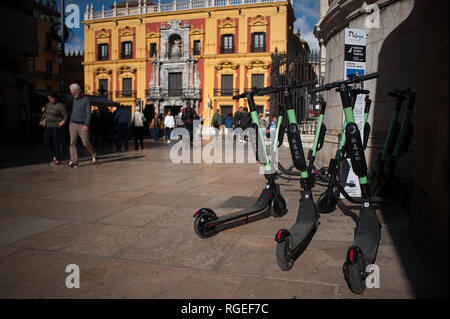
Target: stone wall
x,y
392,51
430,208
409,50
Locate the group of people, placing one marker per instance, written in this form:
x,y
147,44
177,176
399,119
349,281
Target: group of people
x,y
82,121
242,120
55,117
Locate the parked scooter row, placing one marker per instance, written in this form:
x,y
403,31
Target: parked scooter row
x,y
291,243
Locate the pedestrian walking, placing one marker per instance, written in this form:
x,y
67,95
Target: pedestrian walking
x,y
155,125
169,125
79,125
216,121
188,117
239,123
55,118
122,121
137,122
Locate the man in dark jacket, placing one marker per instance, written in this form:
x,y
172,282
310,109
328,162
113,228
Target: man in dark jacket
x,y
239,123
188,117
122,120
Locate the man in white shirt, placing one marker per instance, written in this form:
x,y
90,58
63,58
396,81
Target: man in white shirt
x,y
169,125
137,121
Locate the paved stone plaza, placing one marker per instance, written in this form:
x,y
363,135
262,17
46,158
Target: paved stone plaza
x,y
127,223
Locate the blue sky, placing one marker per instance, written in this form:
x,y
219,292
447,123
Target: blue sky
x,y
306,12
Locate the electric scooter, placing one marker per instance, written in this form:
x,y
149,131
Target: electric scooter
x,y
327,201
368,231
291,243
319,136
396,145
206,221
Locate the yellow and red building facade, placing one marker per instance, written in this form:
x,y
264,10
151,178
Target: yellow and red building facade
x,y
197,52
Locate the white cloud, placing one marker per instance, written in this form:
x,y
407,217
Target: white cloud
x,y
307,11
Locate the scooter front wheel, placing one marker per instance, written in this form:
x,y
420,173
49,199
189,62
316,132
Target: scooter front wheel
x,y
284,257
200,227
355,270
326,204
278,207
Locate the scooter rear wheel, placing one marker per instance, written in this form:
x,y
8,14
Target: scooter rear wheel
x,y
284,258
200,227
326,204
278,207
355,274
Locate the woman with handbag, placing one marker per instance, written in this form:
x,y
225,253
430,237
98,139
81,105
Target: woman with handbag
x,y
156,125
54,117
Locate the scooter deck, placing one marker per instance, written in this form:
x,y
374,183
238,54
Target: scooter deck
x,y
367,234
261,204
306,223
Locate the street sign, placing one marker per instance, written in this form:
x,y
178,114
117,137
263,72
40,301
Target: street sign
x,y
354,64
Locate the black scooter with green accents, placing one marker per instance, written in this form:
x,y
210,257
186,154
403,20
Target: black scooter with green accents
x,y
364,249
206,221
291,243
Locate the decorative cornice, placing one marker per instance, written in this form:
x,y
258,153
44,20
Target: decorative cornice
x,y
228,23
258,64
100,71
103,34
127,32
126,69
258,21
153,35
197,31
227,65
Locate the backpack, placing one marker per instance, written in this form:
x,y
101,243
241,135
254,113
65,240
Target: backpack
x,y
188,115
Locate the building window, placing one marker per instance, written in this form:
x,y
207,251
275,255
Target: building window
x,y
103,52
197,47
127,87
227,85
49,68
257,81
32,65
227,43
153,51
127,50
103,87
258,42
48,42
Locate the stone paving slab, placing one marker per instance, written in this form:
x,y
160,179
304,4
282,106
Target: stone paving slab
x,y
128,224
128,279
32,273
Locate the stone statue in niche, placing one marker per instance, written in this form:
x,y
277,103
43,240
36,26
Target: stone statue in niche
x,y
176,48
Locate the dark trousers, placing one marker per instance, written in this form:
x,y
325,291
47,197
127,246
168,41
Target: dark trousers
x,y
52,139
168,130
122,135
156,133
138,132
190,128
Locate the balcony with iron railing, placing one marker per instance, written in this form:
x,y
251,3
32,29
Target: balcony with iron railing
x,y
180,5
225,50
182,93
125,94
106,94
226,92
259,48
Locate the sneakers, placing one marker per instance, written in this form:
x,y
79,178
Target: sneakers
x,y
72,165
94,160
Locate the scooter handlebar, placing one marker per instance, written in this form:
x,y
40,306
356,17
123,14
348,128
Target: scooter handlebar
x,y
356,79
